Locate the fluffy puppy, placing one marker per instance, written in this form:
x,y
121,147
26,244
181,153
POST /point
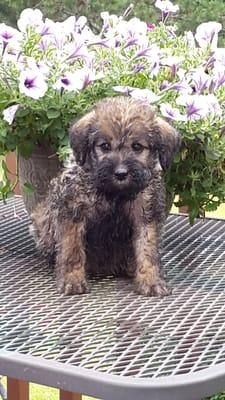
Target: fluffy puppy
x,y
104,213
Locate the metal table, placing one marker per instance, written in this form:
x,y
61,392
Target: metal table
x,y
112,343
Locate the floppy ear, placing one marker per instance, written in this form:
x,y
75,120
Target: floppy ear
x,y
79,137
169,143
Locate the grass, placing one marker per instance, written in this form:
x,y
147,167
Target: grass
x,y
219,213
38,392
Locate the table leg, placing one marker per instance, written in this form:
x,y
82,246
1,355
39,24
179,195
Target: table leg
x,y
70,396
17,390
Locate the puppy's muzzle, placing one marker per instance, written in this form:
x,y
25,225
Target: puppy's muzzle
x,y
121,173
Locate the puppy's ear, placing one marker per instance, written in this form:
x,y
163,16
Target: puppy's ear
x,y
79,137
168,144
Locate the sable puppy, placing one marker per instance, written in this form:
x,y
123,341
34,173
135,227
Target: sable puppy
x,y
104,213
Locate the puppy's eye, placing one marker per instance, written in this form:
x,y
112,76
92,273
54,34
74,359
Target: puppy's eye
x,y
138,147
105,147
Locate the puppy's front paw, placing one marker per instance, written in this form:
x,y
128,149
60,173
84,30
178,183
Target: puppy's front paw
x,y
73,283
148,287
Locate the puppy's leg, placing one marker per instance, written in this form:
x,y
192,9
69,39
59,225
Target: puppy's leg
x,y
148,280
71,259
42,230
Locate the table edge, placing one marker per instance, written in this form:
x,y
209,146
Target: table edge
x,y
108,386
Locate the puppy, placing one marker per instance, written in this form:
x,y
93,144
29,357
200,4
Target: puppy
x,y
104,213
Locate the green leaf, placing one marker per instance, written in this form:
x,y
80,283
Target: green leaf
x,y
22,112
26,149
212,155
3,130
61,134
22,131
4,166
3,104
53,113
211,207
63,152
200,137
28,188
177,158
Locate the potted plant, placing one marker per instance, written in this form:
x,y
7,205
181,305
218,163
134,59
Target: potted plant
x,y
52,73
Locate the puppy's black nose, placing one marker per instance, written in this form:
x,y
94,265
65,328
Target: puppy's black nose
x,y
121,173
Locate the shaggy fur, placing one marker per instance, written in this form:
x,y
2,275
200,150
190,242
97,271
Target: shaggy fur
x,y
104,213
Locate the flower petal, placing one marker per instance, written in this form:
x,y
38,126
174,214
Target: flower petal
x,y
32,84
9,113
29,17
123,89
166,6
207,34
145,95
171,113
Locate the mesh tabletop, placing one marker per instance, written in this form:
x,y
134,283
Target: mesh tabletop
x,y
112,329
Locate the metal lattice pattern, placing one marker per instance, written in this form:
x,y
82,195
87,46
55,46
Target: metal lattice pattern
x,y
112,329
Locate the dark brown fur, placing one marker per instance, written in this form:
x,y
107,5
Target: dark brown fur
x,y
104,213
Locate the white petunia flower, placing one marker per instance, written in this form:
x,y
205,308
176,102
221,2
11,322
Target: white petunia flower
x,y
219,55
166,6
80,24
123,89
207,34
171,113
145,95
32,84
8,34
213,105
67,81
218,76
196,106
200,80
77,50
77,80
172,60
109,21
30,17
9,113
40,67
132,28
10,43
199,106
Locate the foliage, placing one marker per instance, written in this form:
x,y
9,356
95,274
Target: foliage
x,y
204,10
53,72
219,396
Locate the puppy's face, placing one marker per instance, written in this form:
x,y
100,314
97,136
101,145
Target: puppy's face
x,y
123,146
122,165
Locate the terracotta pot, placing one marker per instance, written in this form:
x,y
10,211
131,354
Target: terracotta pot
x,y
11,174
39,169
